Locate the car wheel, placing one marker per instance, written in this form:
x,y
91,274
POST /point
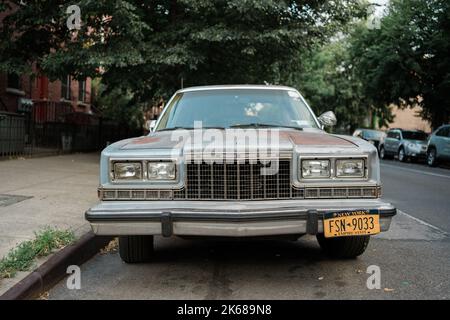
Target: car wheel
x,y
343,247
401,155
134,249
382,153
431,157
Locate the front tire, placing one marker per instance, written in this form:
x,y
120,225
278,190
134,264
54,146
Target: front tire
x,y
401,155
135,249
431,157
382,153
343,247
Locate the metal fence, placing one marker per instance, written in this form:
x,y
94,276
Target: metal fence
x,y
53,128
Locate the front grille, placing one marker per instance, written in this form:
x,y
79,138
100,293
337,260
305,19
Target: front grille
x,y
240,181
237,181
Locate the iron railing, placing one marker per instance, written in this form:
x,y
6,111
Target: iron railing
x,y
53,128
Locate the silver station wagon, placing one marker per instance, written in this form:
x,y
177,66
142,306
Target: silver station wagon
x,y
240,161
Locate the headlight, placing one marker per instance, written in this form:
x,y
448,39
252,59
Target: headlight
x,y
161,170
351,168
127,171
314,169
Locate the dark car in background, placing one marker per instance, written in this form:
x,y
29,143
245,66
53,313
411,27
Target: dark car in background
x,y
439,146
373,136
404,144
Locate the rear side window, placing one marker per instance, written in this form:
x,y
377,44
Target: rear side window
x,y
391,134
443,132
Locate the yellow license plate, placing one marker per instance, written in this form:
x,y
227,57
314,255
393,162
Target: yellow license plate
x,y
351,223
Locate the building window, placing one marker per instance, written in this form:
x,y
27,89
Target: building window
x,y
65,88
82,90
14,81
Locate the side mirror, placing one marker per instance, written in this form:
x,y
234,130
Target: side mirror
x,y
327,119
152,125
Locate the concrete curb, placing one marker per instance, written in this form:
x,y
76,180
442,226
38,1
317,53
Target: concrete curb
x,y
54,269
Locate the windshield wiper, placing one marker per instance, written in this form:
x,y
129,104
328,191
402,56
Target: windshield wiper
x,y
189,128
263,125
175,128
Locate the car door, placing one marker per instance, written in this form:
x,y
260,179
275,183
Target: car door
x,y
390,141
396,142
440,141
387,141
445,143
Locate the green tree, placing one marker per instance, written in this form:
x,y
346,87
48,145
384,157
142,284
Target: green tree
x,y
407,60
329,81
117,105
148,47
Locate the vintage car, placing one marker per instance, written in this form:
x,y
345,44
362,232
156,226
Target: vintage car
x,y
308,182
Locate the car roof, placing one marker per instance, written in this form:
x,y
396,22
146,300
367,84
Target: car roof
x,y
403,130
237,86
366,129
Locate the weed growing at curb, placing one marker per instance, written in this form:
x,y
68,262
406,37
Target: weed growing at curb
x,y
22,258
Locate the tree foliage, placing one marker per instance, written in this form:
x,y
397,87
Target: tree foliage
x,y
147,48
117,105
329,81
407,60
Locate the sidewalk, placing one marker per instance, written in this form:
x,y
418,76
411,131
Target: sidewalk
x,y
51,191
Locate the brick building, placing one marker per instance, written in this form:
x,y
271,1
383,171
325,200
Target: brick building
x,y
18,90
39,116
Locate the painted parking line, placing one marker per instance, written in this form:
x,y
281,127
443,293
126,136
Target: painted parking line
x,y
407,227
422,222
416,171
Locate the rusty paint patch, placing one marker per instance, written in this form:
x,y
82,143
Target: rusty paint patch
x,y
145,140
316,139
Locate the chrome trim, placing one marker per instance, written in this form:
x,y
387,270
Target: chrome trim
x,y
177,183
206,228
333,178
308,193
223,218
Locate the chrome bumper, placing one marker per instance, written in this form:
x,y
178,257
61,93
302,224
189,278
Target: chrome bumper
x,y
223,218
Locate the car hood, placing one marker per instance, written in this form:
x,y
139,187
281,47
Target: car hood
x,y
288,139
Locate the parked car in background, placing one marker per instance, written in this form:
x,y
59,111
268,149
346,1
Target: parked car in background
x,y
404,144
439,146
373,136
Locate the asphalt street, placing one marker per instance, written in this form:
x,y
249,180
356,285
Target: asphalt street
x,y
413,257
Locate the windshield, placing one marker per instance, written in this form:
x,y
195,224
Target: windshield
x,y
372,134
414,135
224,108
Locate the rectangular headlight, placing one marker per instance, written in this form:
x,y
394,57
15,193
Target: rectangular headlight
x,y
127,171
350,168
161,171
314,169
